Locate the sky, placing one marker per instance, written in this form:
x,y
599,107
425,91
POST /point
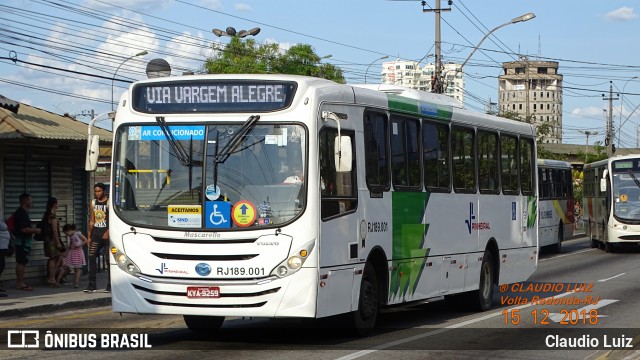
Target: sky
x,y
64,56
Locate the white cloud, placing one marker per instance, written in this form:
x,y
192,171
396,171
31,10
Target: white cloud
x,y
622,14
590,111
242,7
196,50
211,4
138,5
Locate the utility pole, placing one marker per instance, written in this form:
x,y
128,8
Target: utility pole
x,y
609,139
436,81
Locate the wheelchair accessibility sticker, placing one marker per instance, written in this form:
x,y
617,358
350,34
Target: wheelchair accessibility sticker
x,y
218,214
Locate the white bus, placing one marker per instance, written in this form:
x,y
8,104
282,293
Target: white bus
x,y
612,201
555,203
283,196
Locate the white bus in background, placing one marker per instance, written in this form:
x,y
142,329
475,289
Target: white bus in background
x,y
555,203
612,201
283,196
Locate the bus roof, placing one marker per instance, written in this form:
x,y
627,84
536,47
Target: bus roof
x,y
549,163
613,158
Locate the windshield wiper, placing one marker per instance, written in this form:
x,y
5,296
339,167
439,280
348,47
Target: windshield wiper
x,y
220,156
236,140
176,146
633,176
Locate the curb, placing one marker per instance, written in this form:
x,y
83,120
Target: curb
x,y
50,308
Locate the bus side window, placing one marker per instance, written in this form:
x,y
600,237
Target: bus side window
x,y
337,190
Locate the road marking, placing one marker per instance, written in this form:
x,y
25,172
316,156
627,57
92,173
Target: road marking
x,y
582,312
569,254
439,331
613,277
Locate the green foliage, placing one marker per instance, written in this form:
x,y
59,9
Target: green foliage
x,y
249,57
542,131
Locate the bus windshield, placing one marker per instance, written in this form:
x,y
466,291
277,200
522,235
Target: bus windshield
x,y
626,189
188,176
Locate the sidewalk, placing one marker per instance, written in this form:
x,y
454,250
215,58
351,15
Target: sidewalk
x,y
44,299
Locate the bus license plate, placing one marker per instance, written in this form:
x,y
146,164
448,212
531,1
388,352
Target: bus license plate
x,y
195,292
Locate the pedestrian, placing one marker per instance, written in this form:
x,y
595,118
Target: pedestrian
x,y
23,231
53,247
5,237
74,258
98,234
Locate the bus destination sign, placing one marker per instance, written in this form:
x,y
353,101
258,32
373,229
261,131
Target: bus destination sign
x,y
212,96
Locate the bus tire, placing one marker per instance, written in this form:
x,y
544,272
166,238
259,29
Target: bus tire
x,y
203,324
558,246
364,319
608,247
482,298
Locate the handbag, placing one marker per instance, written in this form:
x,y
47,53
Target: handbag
x,y
11,249
45,230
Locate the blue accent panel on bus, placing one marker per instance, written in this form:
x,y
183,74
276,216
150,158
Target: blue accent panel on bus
x,y
156,133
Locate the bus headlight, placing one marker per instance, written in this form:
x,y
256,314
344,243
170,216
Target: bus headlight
x,y
124,262
294,262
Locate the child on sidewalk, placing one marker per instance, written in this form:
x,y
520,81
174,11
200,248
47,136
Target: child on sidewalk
x,y
75,255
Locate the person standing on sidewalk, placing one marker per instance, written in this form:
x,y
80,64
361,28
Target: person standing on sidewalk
x,y
23,231
53,246
75,256
5,237
98,234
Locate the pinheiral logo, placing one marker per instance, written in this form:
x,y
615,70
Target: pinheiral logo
x,y
203,269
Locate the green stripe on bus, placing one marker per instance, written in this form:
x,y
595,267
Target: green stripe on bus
x,y
418,107
409,251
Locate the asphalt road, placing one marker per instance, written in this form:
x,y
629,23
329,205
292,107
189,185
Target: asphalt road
x,y
581,294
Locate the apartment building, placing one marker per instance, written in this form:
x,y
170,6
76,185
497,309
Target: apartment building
x,y
533,90
410,74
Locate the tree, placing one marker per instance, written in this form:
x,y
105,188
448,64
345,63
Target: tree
x,y
542,130
249,57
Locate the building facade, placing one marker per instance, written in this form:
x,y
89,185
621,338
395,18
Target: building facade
x,y
43,154
533,90
410,74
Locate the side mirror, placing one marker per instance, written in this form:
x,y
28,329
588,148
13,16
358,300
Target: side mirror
x,y
343,155
603,180
93,151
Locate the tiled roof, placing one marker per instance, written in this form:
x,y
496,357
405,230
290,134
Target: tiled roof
x,y
32,122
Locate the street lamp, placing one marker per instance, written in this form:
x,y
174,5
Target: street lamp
x,y
586,147
374,61
522,18
141,53
231,32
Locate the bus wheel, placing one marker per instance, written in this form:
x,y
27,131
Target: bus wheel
x,y
203,324
608,247
364,319
484,295
558,246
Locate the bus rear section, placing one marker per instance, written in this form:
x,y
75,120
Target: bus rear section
x,y
555,204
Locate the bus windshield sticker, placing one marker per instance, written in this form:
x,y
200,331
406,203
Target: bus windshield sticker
x,y
186,216
218,214
178,132
243,213
212,192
